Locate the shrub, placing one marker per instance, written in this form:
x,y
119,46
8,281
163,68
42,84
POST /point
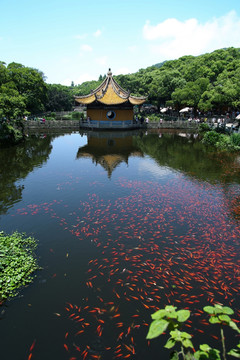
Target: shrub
x,y
235,139
224,142
204,127
211,138
154,118
67,117
77,115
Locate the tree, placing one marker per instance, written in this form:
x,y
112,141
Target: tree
x,y
59,98
30,84
190,94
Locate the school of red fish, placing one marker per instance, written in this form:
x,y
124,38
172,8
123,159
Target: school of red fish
x,y
174,243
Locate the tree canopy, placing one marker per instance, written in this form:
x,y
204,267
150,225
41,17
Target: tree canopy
x,y
209,82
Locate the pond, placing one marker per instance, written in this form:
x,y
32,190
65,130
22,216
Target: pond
x,y
126,223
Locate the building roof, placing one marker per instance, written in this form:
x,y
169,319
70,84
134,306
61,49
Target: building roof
x,y
110,93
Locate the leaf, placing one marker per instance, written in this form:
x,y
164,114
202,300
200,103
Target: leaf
x,y
156,328
170,308
183,315
209,309
159,314
214,354
185,335
174,355
176,334
205,347
227,310
214,320
170,343
234,326
224,318
187,343
235,353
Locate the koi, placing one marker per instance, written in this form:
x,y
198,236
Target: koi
x,y
79,332
32,346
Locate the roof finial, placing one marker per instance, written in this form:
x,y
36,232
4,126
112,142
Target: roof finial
x,y
109,72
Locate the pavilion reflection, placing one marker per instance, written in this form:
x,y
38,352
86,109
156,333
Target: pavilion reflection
x,y
109,149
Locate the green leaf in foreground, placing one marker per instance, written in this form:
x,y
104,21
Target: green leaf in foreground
x,y
183,315
235,352
17,263
156,328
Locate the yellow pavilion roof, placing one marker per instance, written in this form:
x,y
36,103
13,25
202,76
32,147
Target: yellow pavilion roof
x,y
110,93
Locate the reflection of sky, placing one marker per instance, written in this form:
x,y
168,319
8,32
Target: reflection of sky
x,y
154,169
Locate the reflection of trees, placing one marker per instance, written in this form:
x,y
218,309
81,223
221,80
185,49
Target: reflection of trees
x,y
16,162
190,156
187,155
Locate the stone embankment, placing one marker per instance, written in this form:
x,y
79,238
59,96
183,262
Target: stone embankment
x,y
76,124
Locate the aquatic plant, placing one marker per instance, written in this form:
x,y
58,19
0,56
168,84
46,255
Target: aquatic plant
x,y
17,263
172,320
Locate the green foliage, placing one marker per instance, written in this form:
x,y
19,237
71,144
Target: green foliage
x,y
67,117
207,82
203,127
235,139
211,138
11,132
169,319
206,352
222,141
59,98
86,87
235,352
220,315
77,115
17,263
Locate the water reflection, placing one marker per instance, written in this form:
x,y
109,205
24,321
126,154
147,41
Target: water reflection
x,y
183,152
187,154
109,149
16,163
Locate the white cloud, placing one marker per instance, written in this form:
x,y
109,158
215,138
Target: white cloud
x,y
154,169
173,38
97,33
86,48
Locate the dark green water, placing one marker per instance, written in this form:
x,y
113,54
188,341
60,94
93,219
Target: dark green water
x,y
127,223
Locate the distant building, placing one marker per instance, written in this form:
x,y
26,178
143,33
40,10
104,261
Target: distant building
x,y
110,104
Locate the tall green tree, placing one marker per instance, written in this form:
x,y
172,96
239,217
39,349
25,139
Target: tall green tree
x,y
30,84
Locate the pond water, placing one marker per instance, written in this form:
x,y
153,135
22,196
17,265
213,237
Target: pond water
x,y
126,223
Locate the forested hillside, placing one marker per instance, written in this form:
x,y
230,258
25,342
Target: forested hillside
x,y
209,82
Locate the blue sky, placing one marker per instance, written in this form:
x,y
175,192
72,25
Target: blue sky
x,y
75,40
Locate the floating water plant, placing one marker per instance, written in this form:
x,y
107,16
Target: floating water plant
x,y
17,263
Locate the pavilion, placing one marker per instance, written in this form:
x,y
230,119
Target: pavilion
x,y
109,105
